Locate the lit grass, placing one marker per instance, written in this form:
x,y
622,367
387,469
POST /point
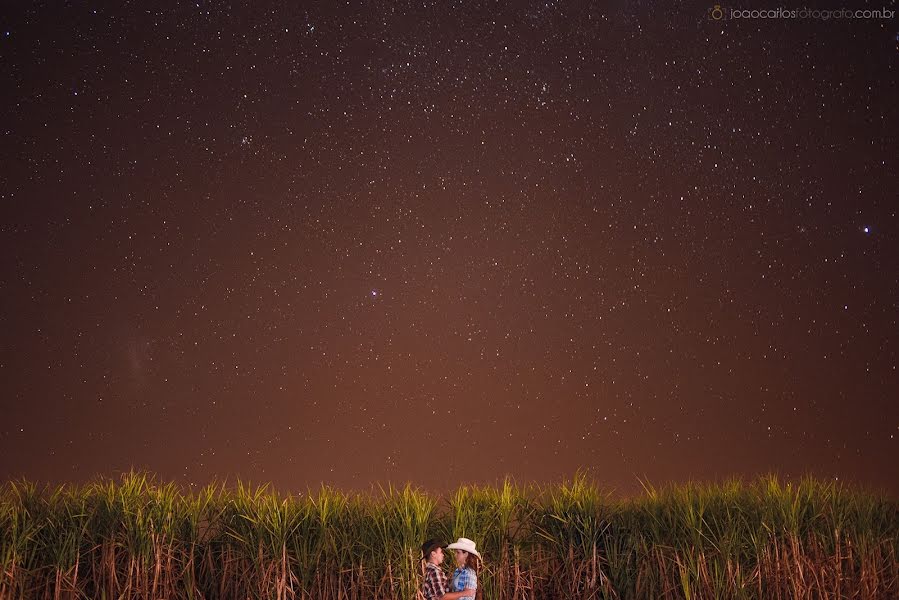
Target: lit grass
x,y
137,538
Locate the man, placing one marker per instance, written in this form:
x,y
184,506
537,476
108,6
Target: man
x,y
434,585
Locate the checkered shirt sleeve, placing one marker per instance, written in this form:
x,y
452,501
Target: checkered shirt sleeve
x,y
434,585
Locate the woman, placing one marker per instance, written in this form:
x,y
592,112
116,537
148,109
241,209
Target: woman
x,y
464,584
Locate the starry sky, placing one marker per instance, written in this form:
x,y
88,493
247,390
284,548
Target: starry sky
x,y
445,242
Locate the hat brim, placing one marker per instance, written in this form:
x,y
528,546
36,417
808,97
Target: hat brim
x,y
432,548
463,548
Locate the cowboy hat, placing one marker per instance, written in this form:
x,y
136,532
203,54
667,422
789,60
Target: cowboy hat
x,y
464,544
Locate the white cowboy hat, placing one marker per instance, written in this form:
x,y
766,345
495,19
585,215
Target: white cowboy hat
x,y
464,544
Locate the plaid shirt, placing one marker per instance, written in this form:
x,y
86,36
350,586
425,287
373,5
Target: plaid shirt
x,y
434,585
464,579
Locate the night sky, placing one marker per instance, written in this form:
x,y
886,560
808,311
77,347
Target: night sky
x,y
445,242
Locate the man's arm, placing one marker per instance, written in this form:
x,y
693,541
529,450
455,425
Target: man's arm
x,y
457,595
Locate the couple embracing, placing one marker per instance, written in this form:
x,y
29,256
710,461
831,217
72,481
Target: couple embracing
x,y
464,583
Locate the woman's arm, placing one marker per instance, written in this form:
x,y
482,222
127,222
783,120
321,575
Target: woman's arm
x,y
456,595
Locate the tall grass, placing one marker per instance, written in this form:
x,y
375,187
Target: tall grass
x,y
138,538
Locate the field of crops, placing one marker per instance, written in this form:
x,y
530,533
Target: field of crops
x,y
138,538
